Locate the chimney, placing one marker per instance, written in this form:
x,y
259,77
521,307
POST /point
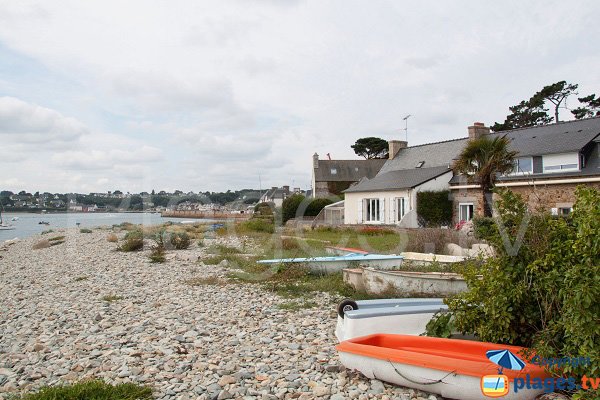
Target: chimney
x,y
395,146
286,189
315,160
478,130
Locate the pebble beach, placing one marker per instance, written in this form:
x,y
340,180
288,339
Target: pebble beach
x,y
82,310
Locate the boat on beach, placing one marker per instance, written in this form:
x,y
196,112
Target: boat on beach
x,y
331,264
452,368
395,316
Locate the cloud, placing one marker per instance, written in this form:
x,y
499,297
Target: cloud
x,y
106,159
24,122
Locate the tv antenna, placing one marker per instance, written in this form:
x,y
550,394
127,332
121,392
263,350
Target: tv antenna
x,y
406,125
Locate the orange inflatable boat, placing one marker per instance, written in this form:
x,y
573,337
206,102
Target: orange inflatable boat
x,y
455,369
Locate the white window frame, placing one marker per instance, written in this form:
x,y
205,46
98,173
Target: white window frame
x,y
555,168
460,216
399,210
372,210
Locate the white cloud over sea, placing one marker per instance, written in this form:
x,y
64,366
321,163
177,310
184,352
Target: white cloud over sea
x,y
210,95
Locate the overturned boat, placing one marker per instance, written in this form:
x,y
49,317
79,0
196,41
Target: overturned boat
x,y
333,264
452,368
395,316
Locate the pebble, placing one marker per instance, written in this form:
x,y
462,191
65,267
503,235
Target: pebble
x,y
185,341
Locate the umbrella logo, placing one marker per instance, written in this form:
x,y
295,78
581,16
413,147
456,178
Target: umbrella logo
x,y
498,385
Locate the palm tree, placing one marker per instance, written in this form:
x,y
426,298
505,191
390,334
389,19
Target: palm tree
x,y
482,160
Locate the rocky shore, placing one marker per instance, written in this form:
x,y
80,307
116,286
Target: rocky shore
x,y
81,310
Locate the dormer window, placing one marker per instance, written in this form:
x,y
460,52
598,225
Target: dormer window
x,y
523,165
420,164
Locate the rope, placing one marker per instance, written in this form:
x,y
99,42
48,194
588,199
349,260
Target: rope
x,y
421,383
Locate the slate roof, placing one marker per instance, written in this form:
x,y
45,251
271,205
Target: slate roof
x,y
563,137
401,179
347,170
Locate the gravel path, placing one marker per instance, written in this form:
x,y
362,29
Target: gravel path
x,y
187,342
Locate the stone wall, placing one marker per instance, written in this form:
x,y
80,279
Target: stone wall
x,y
540,196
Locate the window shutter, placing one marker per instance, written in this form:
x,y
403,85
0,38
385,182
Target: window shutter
x,y
382,210
393,212
360,211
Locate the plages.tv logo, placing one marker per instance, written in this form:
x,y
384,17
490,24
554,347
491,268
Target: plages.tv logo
x,y
497,385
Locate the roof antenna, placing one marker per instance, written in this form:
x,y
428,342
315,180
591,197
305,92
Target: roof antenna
x,y
406,125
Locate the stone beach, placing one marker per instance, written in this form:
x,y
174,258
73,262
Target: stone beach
x,y
82,310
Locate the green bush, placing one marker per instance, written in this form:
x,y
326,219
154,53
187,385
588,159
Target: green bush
x,y
258,225
315,206
434,208
484,228
180,240
85,230
543,294
133,241
290,206
97,390
157,255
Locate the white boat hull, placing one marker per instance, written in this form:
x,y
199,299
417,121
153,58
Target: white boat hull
x,y
408,324
444,383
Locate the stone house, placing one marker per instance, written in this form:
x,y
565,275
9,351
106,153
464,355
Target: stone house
x,y
332,177
552,161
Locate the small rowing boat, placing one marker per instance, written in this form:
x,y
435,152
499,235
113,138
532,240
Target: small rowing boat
x,y
452,368
397,316
337,263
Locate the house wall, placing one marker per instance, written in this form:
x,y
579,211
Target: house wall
x,y
540,196
351,202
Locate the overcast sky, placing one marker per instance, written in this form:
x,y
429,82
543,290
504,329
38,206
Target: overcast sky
x,y
210,95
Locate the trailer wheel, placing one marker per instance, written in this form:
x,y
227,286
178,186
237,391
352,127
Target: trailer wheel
x,y
346,305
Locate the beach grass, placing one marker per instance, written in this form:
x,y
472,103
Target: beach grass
x,y
88,390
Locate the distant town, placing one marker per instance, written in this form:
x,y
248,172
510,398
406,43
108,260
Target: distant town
x,y
154,201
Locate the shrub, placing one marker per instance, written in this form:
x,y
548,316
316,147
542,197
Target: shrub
x,y
180,240
85,230
258,225
157,255
434,208
96,389
290,206
543,293
289,244
112,238
264,208
484,228
134,241
315,206
47,231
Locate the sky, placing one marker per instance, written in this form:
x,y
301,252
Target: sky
x,y
215,95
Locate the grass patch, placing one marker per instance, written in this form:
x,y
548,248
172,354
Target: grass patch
x,y
221,249
208,280
85,230
88,390
47,231
112,297
56,238
81,278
